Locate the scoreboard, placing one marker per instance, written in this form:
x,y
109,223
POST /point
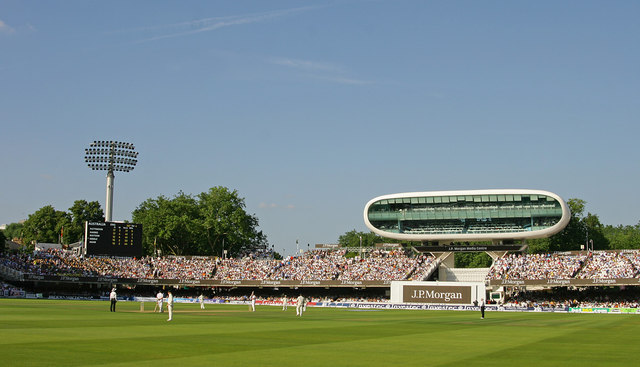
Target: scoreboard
x,y
113,239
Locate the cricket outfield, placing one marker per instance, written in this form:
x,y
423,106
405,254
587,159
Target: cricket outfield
x,y
85,333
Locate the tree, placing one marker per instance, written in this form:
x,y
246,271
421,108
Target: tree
x,y
170,226
207,224
595,232
472,260
81,212
622,237
352,239
14,231
227,225
48,224
578,231
148,213
45,225
3,241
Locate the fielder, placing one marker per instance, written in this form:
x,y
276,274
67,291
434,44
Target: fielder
x,y
170,305
299,306
159,301
253,302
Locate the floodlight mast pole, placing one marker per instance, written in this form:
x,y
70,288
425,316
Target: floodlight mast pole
x,y
109,200
110,178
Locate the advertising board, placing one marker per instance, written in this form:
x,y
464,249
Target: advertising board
x,y
442,293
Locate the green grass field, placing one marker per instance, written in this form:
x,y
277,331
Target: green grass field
x,y
78,333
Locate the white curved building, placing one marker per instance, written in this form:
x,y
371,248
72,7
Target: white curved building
x,y
467,215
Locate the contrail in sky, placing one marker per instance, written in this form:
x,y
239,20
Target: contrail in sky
x,y
212,24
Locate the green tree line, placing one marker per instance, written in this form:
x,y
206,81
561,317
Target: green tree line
x,y
54,226
209,223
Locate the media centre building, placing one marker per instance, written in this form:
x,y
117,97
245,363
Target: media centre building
x,y
469,215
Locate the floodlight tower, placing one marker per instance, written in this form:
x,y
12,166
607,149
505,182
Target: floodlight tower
x,y
110,156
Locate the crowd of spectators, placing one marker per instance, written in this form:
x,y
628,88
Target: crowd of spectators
x,y
591,265
585,297
633,257
377,265
62,262
329,265
607,265
389,265
243,269
536,266
8,290
312,265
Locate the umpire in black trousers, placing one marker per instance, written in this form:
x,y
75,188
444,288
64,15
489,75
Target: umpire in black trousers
x,y
113,298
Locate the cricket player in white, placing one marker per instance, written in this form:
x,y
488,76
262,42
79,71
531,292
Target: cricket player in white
x,y
201,299
253,302
159,300
170,305
284,303
299,305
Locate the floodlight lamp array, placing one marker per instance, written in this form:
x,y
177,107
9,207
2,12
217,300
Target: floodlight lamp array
x,y
107,155
111,144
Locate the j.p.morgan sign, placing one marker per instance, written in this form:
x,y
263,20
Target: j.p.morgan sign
x,y
437,294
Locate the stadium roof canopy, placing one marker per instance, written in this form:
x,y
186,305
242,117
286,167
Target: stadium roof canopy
x,y
468,215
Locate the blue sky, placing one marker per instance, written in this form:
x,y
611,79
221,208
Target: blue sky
x,y
311,109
